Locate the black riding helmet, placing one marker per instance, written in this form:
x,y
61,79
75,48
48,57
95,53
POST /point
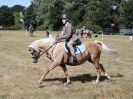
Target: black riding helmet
x,y
65,16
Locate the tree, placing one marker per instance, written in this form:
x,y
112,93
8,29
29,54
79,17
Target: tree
x,y
98,12
6,16
126,13
76,8
55,14
30,17
42,10
49,11
17,8
94,14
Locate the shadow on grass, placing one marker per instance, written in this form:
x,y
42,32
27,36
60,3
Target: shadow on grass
x,y
118,75
82,78
33,36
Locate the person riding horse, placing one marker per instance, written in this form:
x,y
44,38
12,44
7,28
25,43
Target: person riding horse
x,y
68,35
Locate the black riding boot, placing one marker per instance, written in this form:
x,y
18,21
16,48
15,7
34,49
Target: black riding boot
x,y
74,57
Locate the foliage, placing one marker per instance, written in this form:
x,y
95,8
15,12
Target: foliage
x,y
41,27
17,8
126,13
94,14
17,18
6,16
30,17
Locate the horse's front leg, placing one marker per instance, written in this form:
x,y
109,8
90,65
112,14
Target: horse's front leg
x,y
54,64
66,74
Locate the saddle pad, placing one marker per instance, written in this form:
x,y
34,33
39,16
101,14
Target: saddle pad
x,y
78,49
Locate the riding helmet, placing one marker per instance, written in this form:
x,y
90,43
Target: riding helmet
x,y
65,16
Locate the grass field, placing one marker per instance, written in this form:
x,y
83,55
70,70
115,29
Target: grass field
x,y
19,76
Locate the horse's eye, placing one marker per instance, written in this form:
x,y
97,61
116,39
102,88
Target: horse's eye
x,y
34,51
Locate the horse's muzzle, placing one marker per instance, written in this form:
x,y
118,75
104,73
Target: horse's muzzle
x,y
35,60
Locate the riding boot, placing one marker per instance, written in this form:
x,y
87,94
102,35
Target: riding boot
x,y
74,57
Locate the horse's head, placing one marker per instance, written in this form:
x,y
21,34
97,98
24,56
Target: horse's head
x,y
35,54
38,47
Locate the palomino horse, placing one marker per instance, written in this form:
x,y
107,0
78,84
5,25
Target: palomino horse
x,y
58,56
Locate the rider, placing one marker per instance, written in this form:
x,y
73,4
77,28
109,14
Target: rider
x,y
68,34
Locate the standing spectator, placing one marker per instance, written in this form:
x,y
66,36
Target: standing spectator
x,y
47,32
30,30
130,36
82,31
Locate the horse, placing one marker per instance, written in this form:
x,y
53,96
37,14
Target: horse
x,y
78,31
82,32
56,53
88,33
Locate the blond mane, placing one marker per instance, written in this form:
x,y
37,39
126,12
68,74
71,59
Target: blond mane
x,y
49,40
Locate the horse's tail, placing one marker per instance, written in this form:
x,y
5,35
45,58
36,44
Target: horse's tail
x,y
113,52
104,47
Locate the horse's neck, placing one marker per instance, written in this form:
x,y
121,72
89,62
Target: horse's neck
x,y
45,47
49,48
55,48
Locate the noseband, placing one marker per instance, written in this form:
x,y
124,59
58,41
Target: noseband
x,y
35,54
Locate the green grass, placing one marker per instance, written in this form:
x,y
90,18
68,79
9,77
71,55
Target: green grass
x,y
19,76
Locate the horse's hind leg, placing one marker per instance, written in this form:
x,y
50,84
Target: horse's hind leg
x,y
95,61
106,74
98,70
66,74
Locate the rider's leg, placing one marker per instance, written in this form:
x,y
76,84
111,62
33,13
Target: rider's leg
x,y
70,45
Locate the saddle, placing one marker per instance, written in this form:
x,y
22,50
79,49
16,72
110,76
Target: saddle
x,y
78,49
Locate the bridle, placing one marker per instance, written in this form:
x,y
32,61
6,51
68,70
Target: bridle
x,y
38,54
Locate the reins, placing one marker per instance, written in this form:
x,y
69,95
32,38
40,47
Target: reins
x,y
47,49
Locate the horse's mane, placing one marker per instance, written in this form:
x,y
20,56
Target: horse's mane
x,y
48,40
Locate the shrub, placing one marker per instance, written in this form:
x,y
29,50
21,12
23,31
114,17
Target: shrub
x,y
41,27
95,28
14,27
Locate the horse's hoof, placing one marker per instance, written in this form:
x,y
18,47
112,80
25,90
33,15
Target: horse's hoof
x,y
66,83
108,77
96,82
40,84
